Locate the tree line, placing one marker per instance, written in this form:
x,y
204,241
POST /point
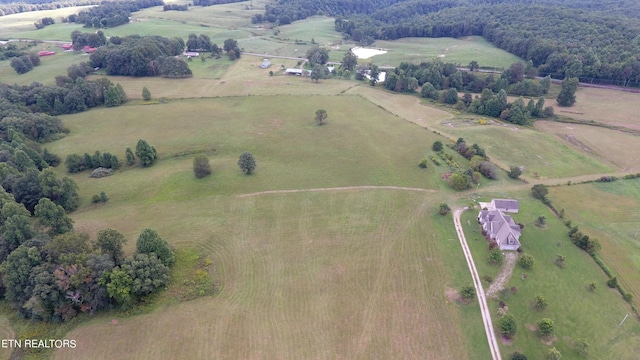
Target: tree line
x,y
110,14
592,40
142,56
9,7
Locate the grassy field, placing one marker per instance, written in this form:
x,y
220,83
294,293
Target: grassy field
x,y
611,213
372,267
379,148
312,275
604,106
12,24
459,51
590,315
49,67
620,150
519,146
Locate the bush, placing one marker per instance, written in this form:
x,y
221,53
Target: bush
x,y
612,283
423,163
526,261
592,286
201,167
437,146
103,196
546,328
146,94
495,256
95,199
444,209
468,292
581,346
540,302
554,354
560,261
518,356
507,326
514,172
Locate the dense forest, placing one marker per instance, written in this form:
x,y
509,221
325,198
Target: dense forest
x,y
8,7
142,56
596,41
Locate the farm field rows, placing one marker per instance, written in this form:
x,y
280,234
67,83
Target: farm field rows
x,y
354,274
600,143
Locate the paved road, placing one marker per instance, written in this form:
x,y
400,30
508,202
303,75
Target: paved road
x,y
484,308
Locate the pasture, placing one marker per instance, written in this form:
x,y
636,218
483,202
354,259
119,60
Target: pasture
x,y
616,148
352,273
459,51
576,311
552,158
49,67
605,106
13,24
609,212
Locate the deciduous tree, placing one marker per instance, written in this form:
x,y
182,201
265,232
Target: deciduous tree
x,y
110,242
150,242
201,167
247,163
321,116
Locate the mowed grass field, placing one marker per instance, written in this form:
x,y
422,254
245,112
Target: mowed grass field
x,y
13,24
359,273
508,145
619,149
577,312
459,51
49,68
609,212
348,274
360,145
606,106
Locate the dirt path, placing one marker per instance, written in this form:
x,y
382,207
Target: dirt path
x,y
504,275
336,189
484,308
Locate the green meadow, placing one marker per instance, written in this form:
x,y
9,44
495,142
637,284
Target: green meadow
x,y
333,248
575,310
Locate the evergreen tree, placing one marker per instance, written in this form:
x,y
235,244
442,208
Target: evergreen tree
x,y
567,96
146,153
111,97
150,242
146,94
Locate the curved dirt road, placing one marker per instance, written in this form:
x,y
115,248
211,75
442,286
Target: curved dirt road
x,y
484,308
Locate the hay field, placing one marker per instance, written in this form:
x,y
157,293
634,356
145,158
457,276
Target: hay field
x,y
355,275
616,148
609,212
17,23
360,145
509,145
222,78
606,106
460,51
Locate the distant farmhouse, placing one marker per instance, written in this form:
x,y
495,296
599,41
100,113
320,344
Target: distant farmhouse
x,y
499,226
